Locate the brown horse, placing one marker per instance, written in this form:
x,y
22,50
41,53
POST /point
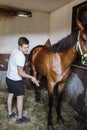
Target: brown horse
x,y
54,62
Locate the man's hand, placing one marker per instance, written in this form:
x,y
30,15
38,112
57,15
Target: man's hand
x,y
33,79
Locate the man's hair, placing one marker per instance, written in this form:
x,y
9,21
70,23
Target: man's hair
x,y
22,41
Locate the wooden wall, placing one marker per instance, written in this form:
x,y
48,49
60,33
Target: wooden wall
x,y
4,61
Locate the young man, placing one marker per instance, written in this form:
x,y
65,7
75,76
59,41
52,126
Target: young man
x,y
14,80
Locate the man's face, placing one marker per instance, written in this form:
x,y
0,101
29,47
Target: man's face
x,y
24,48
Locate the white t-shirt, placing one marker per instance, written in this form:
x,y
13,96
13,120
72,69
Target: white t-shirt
x,y
16,59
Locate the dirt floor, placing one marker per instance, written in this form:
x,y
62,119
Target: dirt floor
x,y
38,114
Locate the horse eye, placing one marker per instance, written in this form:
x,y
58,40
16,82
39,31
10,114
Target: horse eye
x,y
85,41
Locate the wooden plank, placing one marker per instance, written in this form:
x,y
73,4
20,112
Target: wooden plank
x,y
4,61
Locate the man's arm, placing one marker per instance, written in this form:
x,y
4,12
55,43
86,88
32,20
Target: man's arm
x,y
23,74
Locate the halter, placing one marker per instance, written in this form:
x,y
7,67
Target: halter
x,y
82,55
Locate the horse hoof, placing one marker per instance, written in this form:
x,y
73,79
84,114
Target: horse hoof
x,y
60,120
50,127
38,100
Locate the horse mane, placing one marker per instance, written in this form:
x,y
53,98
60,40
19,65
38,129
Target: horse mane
x,y
65,43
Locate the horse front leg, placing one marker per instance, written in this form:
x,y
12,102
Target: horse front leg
x,y
50,105
59,99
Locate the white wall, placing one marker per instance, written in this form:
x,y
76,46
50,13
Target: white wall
x,y
60,21
34,28
37,29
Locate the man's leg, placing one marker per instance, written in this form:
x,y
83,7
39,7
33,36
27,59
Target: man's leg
x,y
9,103
20,106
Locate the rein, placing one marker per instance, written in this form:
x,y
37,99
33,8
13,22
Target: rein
x,y
82,55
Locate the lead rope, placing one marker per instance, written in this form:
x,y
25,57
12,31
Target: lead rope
x,y
82,55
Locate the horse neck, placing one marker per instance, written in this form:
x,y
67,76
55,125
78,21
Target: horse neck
x,y
70,54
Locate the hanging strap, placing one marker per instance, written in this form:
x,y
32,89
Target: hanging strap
x,y
82,55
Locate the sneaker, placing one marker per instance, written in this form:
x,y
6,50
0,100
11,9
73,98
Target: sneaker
x,y
11,115
22,120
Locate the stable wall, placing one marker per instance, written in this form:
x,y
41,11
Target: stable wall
x,y
38,28
60,21
34,28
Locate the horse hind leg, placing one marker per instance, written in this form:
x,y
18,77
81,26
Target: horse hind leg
x,y
37,93
37,89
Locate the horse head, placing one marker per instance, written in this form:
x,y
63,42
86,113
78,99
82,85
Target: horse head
x,y
82,42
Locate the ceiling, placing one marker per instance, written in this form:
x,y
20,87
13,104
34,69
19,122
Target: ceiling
x,y
35,5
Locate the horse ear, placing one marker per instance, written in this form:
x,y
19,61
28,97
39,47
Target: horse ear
x,y
79,24
48,43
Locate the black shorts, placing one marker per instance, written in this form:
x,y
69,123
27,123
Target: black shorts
x,y
15,87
